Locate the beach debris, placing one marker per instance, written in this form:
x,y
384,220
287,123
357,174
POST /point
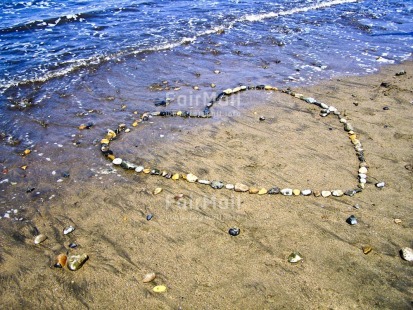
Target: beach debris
x,y
39,239
295,257
75,262
380,184
149,277
239,187
398,221
352,220
68,230
157,190
159,289
60,260
149,217
407,254
234,231
366,249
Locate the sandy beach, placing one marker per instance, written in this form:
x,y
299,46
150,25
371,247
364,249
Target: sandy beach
x,y
186,243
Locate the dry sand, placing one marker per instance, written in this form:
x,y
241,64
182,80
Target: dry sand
x,y
187,242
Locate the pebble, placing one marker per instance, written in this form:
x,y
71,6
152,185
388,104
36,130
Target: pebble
x,y
286,191
117,161
348,127
175,176
325,193
68,230
159,289
217,184
60,261
230,186
149,277
234,231
337,193
239,187
306,192
407,254
273,191
296,192
380,184
253,190
139,169
191,178
397,221
352,220
72,245
146,171
75,262
262,118
157,190
295,257
356,206
363,170
39,239
149,217
317,193
205,182
262,191
367,249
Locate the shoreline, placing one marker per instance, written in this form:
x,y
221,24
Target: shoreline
x,y
187,244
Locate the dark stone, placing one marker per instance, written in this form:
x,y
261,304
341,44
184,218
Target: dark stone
x,y
260,87
30,189
73,245
65,174
352,220
217,184
273,191
386,108
234,231
89,125
155,172
385,84
149,217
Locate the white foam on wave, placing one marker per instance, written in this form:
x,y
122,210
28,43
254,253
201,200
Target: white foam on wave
x,y
76,64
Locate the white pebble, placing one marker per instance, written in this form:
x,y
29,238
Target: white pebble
x,y
380,184
287,191
407,254
117,161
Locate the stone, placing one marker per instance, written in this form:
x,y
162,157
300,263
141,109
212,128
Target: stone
x,y
262,191
139,169
317,193
407,254
286,191
397,221
306,192
157,190
296,192
363,170
230,186
337,193
367,249
239,187
191,178
117,161
234,231
352,220
274,191
149,277
39,239
217,184
253,190
348,127
380,184
295,257
68,230
147,170
75,262
204,182
175,176
325,193
60,261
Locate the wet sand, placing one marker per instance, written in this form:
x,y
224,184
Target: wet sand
x,y
187,244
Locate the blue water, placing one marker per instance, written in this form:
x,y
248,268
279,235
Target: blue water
x,y
64,63
40,40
